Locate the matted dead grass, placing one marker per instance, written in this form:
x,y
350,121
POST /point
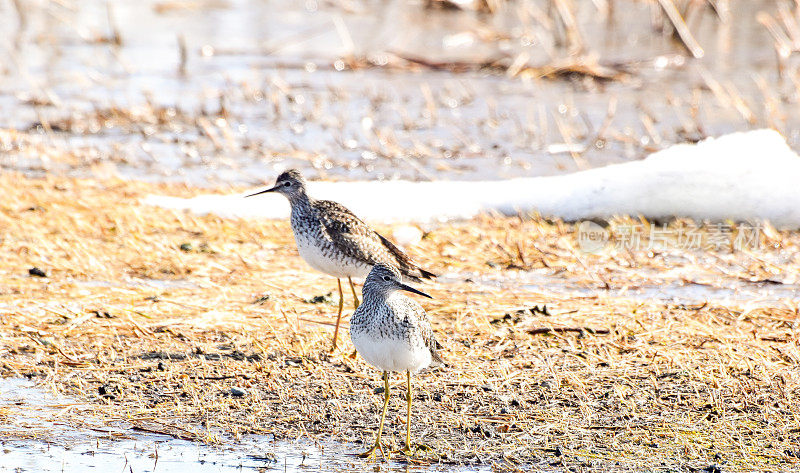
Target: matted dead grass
x,y
153,316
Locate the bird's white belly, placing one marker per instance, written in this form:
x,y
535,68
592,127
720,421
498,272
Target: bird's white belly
x,y
327,263
391,354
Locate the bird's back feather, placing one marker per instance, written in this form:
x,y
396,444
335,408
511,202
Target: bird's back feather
x,y
359,241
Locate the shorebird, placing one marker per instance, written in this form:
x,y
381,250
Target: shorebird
x,y
391,332
331,239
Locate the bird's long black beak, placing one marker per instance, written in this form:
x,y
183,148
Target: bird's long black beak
x,y
415,291
271,189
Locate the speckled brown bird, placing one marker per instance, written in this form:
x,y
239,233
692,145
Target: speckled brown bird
x,y
333,240
392,333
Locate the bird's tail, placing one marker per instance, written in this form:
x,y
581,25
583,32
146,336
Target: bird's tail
x,y
426,274
405,264
437,361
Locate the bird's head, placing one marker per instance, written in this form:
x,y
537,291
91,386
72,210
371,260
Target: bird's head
x,y
289,183
386,280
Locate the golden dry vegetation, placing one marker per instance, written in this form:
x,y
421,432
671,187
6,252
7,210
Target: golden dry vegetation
x,y
151,316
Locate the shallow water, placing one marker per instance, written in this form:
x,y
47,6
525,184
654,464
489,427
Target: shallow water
x,y
681,292
262,90
37,438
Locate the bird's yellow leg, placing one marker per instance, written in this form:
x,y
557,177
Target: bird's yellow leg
x,y
408,413
355,306
378,446
408,450
355,297
339,316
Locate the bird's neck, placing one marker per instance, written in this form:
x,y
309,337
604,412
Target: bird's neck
x,y
300,202
372,300
376,295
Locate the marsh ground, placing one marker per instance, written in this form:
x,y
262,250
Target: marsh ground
x,y
153,316
646,358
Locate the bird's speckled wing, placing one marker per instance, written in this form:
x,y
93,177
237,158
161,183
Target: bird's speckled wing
x,y
357,240
423,325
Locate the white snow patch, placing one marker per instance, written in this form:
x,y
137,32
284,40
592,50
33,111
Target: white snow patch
x,y
406,235
742,176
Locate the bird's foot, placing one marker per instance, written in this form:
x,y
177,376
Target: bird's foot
x,y
373,451
423,447
411,450
407,451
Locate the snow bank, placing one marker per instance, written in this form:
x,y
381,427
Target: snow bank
x,y
742,176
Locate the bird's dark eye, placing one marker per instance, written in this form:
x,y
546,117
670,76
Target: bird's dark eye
x,y
386,278
287,184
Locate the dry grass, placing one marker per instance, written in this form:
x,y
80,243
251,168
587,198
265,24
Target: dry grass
x,y
152,316
650,386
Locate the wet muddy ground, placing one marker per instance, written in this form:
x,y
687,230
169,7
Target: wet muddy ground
x,y
55,442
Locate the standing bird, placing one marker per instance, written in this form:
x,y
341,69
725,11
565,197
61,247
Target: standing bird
x,y
331,239
392,332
